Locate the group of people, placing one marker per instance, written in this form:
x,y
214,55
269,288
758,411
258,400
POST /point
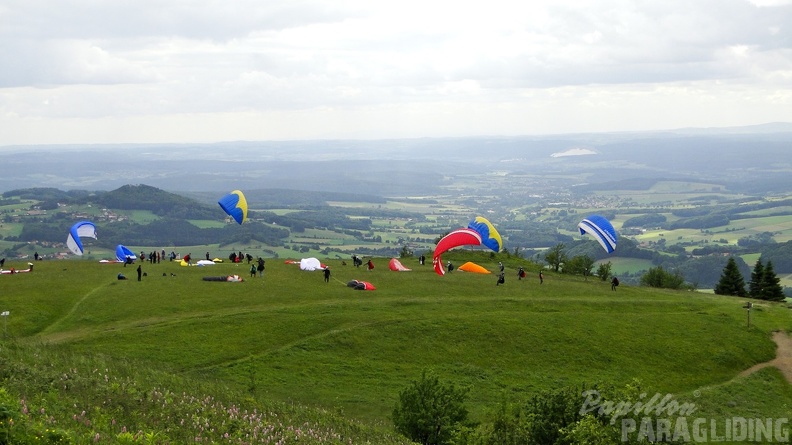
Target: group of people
x,y
139,273
152,257
257,267
521,275
237,257
357,262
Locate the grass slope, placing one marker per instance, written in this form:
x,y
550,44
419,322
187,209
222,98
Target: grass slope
x,y
291,337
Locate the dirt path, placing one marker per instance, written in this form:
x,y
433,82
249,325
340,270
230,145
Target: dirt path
x,y
783,360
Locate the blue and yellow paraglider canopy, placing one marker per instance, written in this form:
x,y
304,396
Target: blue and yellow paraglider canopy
x,y
235,205
601,229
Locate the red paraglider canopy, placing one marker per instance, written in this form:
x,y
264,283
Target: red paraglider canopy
x,y
459,237
396,266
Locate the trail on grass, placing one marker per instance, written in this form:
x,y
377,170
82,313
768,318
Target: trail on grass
x,y
783,360
71,312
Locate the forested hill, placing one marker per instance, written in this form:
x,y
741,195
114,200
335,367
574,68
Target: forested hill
x,y
159,202
171,228
128,197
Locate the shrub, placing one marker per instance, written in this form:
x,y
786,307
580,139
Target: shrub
x,y
429,411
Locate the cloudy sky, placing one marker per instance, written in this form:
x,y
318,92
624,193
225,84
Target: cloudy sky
x,y
115,71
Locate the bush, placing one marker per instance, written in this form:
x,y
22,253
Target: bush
x,y
429,411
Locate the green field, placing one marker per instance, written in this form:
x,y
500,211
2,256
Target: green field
x,y
290,337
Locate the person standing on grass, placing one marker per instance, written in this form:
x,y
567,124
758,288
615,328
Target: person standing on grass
x,y
139,271
327,274
541,277
614,283
260,267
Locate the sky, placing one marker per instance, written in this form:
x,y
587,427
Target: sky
x,y
164,71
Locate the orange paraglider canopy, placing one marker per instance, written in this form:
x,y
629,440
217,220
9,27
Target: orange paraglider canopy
x,y
473,268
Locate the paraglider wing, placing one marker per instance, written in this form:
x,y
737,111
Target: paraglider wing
x,y
396,266
360,285
459,237
473,268
79,230
489,234
601,229
122,253
235,205
311,264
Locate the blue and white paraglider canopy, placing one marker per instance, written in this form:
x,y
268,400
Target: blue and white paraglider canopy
x,y
123,254
601,229
79,230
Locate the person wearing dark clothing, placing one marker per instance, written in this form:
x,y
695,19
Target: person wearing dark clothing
x,y
501,279
521,274
450,267
500,265
121,277
260,266
541,277
614,283
36,256
207,256
327,274
253,271
140,272
422,260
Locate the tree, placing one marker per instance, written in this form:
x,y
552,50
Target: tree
x,y
604,271
580,265
659,277
771,284
406,252
429,411
731,281
755,285
555,257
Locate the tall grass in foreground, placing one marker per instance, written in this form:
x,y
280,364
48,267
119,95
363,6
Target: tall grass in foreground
x,y
51,396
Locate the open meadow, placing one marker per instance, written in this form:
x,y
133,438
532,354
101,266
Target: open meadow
x,y
290,337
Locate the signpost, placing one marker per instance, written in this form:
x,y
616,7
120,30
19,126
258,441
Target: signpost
x,y
748,307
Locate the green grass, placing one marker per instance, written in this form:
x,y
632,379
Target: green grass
x,y
304,341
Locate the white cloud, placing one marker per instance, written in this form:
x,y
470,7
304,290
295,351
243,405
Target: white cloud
x,y
381,69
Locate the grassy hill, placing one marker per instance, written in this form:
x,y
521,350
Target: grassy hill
x,y
290,338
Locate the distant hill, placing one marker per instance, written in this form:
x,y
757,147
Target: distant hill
x,y
159,202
